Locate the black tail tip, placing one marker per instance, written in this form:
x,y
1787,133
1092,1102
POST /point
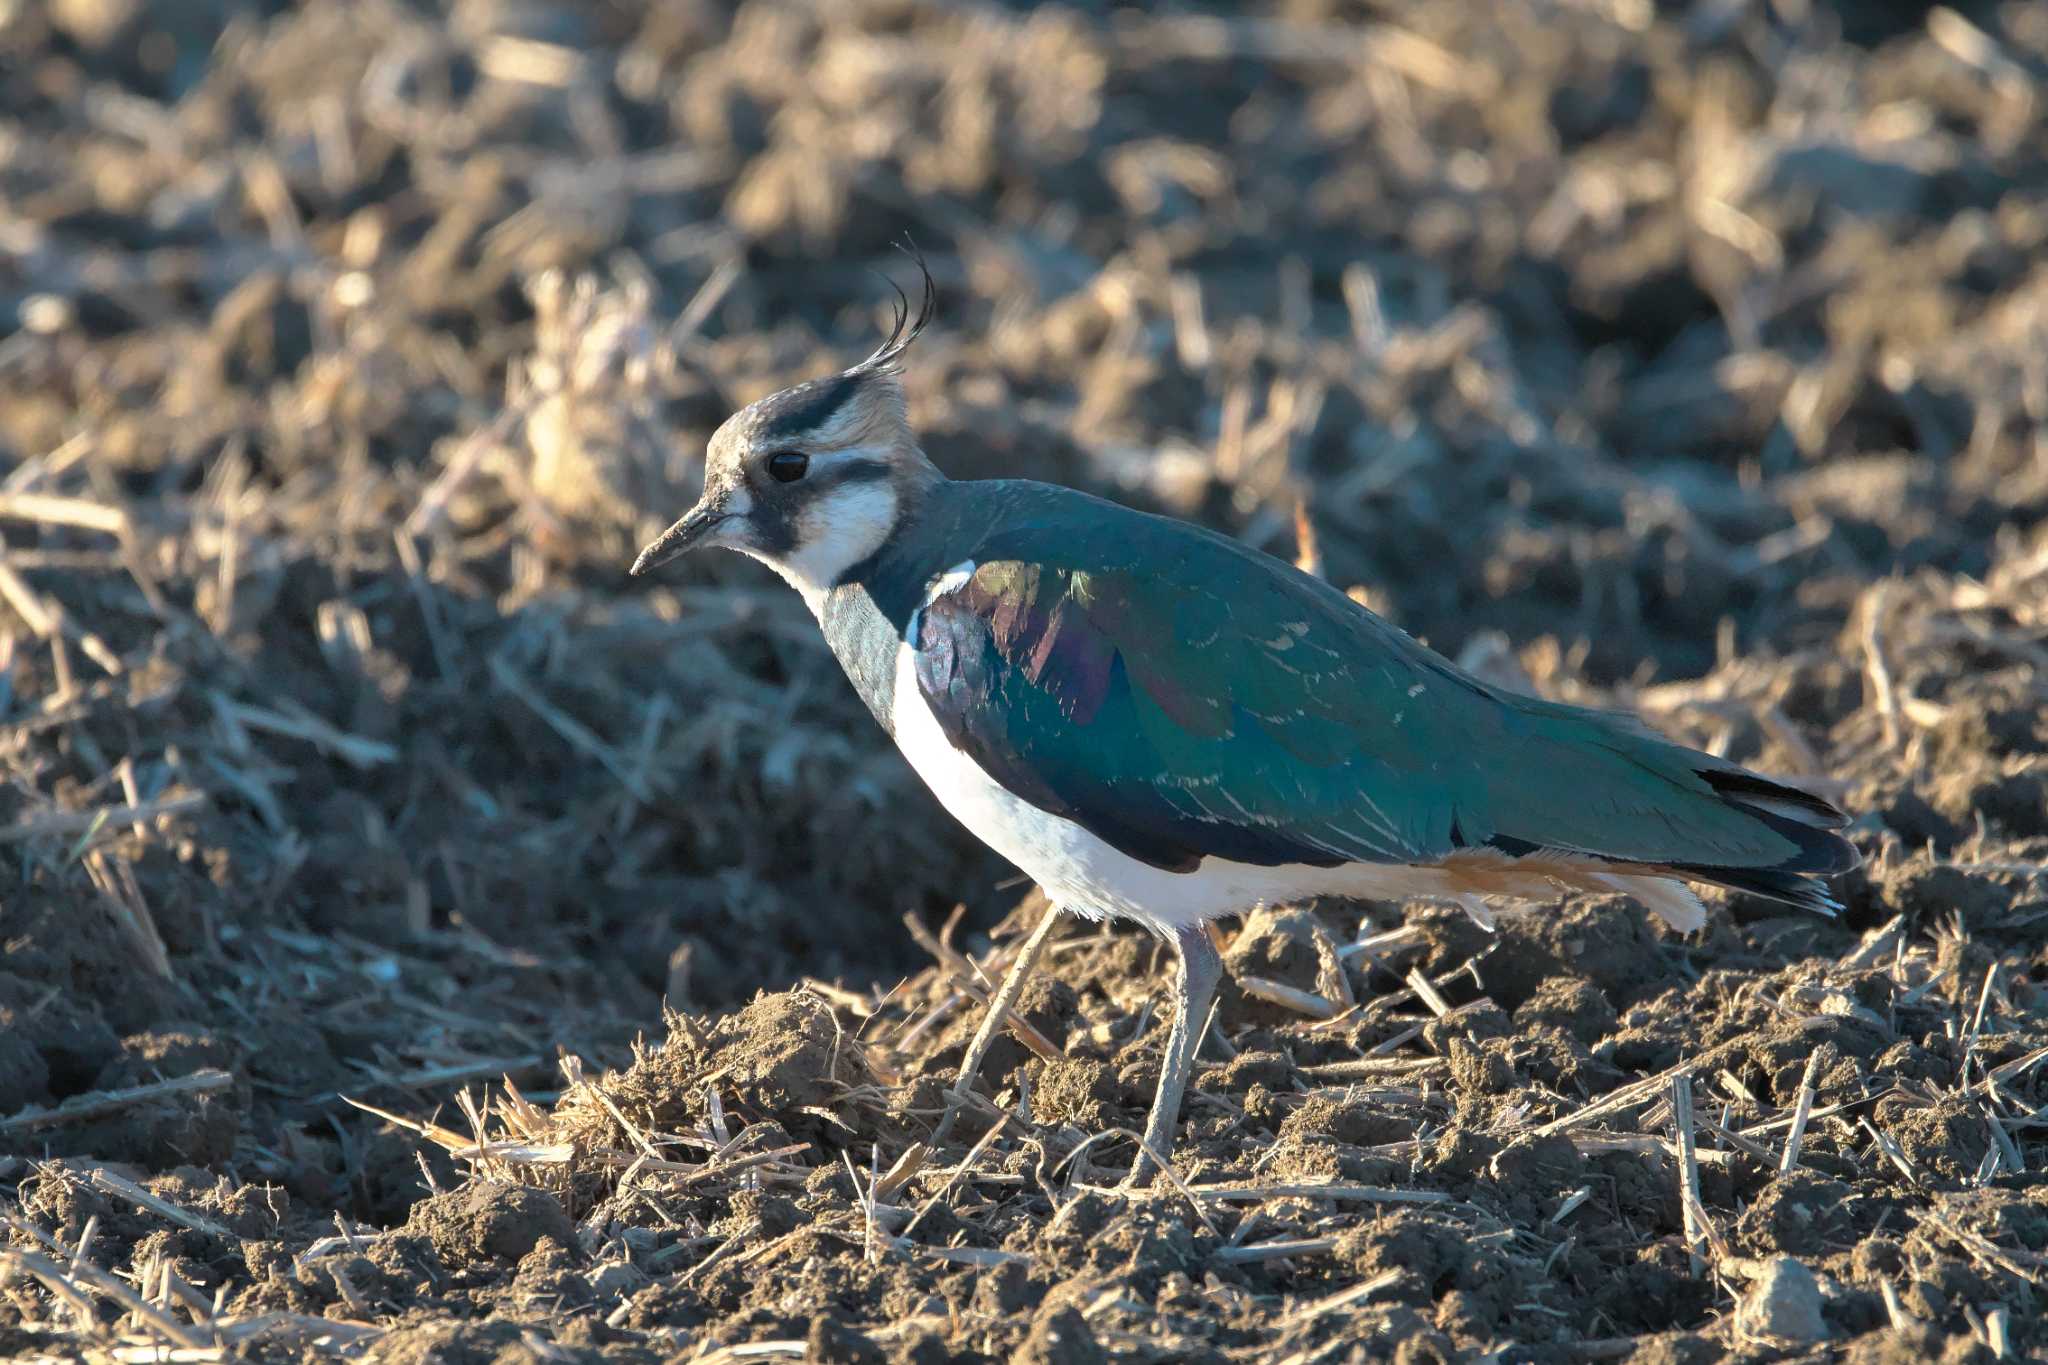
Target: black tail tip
x,y
1801,890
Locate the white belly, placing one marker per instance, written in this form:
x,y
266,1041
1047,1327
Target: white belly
x,y
1081,873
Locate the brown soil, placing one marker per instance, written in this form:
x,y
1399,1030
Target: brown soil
x,y
362,815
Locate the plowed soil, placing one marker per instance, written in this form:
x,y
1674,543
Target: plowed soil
x,y
423,943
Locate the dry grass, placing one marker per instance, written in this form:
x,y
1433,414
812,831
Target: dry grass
x,y
356,805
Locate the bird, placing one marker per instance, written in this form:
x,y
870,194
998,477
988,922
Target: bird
x,y
1158,723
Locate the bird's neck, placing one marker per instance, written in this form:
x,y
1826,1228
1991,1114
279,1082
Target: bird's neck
x,y
915,476
918,489
867,611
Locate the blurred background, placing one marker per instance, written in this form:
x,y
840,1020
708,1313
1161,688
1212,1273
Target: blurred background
x,y
350,349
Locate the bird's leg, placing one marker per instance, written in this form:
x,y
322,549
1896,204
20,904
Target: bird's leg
x,y
1194,990
992,1022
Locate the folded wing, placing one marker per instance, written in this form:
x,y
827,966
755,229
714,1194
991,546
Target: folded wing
x,y
1185,698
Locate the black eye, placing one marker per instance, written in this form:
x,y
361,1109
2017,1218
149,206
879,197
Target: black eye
x,y
787,466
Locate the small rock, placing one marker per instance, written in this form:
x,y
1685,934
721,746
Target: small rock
x,y
615,1280
1783,1303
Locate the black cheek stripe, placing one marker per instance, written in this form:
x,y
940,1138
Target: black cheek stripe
x,y
859,471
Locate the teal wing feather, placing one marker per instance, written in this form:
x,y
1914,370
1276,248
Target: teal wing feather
x,y
1186,697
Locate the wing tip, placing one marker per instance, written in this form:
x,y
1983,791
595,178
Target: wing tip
x,y
1775,797
1808,821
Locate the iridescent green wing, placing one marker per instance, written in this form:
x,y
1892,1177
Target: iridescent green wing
x,y
1184,697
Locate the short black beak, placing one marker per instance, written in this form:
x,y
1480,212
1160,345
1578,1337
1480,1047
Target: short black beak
x,y
686,535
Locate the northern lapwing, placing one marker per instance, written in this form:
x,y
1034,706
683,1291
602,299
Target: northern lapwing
x,y
1159,723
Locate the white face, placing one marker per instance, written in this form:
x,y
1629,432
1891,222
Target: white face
x,y
840,523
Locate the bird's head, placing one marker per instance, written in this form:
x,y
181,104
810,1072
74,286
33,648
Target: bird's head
x,y
812,480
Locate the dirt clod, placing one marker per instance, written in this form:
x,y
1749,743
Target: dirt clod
x,y
1062,1337
1783,1303
490,1221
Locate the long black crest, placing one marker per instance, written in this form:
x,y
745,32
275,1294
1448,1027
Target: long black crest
x,y
905,331
797,412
